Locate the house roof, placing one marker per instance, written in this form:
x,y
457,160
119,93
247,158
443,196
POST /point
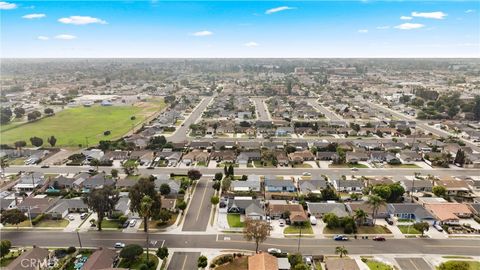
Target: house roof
x,y
307,186
453,184
36,255
282,208
448,211
262,261
410,208
349,183
279,183
100,259
323,208
341,264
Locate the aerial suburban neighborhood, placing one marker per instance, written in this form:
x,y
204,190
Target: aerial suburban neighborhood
x,y
239,163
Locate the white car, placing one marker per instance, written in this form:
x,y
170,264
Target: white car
x,y
438,227
133,222
274,250
282,222
71,217
119,245
354,169
306,174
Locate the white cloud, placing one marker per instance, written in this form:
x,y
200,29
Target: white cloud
x,y
438,15
203,33
409,26
383,27
43,38
469,10
251,44
278,9
406,18
363,31
65,37
81,20
7,5
34,16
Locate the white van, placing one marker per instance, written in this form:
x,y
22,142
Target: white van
x,y
313,220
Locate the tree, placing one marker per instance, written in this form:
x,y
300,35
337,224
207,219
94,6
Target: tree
x,y
216,185
52,140
131,252
329,193
12,216
382,191
301,266
375,202
214,200
331,220
218,176
20,144
194,174
295,259
5,115
421,227
360,216
144,187
439,191
182,205
231,172
102,201
225,170
95,163
19,112
33,115
476,108
202,262
4,163
256,230
460,157
164,189
48,111
36,141
162,252
164,215
341,251
146,213
114,173
5,246
396,193
130,166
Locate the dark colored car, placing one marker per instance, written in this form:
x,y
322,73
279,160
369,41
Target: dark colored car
x,y
340,238
389,221
125,224
379,238
150,168
45,166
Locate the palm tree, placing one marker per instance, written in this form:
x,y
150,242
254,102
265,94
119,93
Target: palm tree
x,y
360,217
375,202
341,250
146,212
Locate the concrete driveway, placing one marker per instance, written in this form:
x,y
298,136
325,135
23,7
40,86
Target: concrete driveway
x,y
73,224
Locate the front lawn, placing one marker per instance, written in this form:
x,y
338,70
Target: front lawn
x,y
111,224
302,165
376,265
59,223
237,264
405,229
263,164
377,229
357,165
454,264
139,262
234,221
5,261
202,164
408,166
293,229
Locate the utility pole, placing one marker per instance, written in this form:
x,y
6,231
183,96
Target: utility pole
x,y
79,241
413,187
299,238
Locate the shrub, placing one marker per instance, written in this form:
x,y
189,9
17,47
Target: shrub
x,y
37,219
364,260
130,252
122,219
223,259
71,250
143,267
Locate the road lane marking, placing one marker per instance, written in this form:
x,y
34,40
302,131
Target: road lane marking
x,y
184,261
203,197
413,263
291,245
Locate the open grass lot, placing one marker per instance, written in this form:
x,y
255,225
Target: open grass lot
x,y
473,265
234,221
237,264
405,229
292,229
376,265
72,125
142,259
377,229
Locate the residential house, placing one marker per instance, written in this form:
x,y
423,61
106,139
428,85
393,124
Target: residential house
x,y
382,211
311,186
355,157
449,213
247,206
301,156
62,182
30,181
454,187
326,155
332,263
350,186
279,186
64,207
36,206
172,157
295,211
195,155
145,157
410,211
173,184
36,257
102,258
123,206
223,156
262,261
320,209
416,185
252,183
96,181
281,158
245,157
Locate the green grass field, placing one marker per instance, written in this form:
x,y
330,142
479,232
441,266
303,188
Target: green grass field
x,y
292,229
376,265
405,229
72,125
453,264
234,221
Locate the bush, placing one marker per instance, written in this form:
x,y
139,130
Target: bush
x,y
143,267
223,259
107,132
37,219
71,250
130,252
212,265
364,260
122,219
115,215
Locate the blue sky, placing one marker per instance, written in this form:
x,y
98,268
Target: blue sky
x,y
240,29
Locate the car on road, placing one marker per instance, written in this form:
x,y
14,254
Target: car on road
x,y
438,227
45,166
119,245
274,251
150,168
71,217
282,222
133,222
83,215
306,174
340,237
354,169
379,238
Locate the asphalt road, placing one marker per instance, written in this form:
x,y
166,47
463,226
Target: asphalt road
x,y
181,133
328,114
183,261
468,247
198,213
261,109
413,264
397,173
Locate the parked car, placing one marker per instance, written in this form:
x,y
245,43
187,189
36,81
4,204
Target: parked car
x,y
389,221
133,222
274,250
313,220
119,245
354,169
282,223
379,238
150,168
83,215
306,174
340,237
71,217
45,166
438,227
125,224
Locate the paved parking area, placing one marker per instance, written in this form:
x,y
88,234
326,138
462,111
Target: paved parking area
x,y
413,264
184,261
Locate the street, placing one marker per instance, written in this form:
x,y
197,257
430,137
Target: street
x,y
261,109
181,133
183,260
198,213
